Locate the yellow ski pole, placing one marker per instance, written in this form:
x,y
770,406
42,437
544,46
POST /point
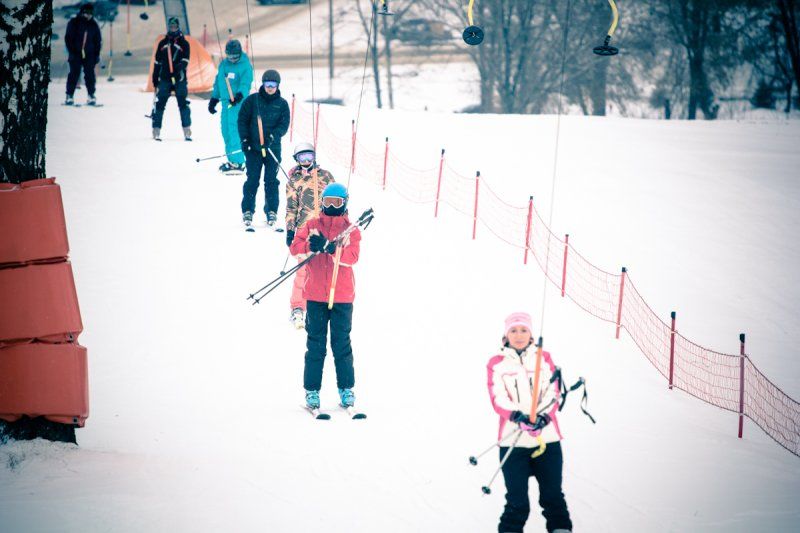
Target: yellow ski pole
x,y
336,263
537,374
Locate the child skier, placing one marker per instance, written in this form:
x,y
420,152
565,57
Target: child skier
x,y
169,74
263,120
510,381
84,42
234,77
317,236
304,190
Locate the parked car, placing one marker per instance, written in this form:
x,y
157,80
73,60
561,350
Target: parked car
x,y
421,31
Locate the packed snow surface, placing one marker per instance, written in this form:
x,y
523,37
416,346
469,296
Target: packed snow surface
x,y
195,394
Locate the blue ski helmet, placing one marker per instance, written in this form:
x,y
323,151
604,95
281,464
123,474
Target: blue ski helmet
x,y
334,190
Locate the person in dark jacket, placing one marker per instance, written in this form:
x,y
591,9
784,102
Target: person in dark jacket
x,y
83,42
169,74
263,120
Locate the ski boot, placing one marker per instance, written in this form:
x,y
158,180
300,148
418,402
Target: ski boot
x,y
69,100
156,134
271,218
187,133
225,167
298,318
91,100
312,399
347,397
247,218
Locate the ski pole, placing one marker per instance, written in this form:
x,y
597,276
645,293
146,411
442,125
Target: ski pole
x,y
285,262
217,156
272,285
486,488
277,162
473,459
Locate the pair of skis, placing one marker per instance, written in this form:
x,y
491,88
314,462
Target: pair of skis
x,y
351,411
249,228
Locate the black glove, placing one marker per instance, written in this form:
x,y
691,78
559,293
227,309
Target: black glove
x,y
238,97
212,105
245,144
524,420
518,417
289,237
316,243
330,248
274,140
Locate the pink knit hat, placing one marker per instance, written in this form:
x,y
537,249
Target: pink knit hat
x,y
518,318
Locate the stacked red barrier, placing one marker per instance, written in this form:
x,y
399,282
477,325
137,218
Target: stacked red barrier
x,y
43,369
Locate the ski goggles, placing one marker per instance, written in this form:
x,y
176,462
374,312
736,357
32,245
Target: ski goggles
x,y
234,57
270,84
332,201
305,157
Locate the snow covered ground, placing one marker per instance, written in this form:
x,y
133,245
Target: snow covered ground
x,y
195,394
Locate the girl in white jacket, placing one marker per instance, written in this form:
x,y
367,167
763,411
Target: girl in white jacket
x,y
510,382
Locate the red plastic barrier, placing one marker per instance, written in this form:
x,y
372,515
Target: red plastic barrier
x,y
49,380
32,218
39,302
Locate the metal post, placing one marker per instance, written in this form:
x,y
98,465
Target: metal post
x,y
110,51
385,162
475,212
291,120
564,268
205,35
528,230
128,31
672,351
741,384
621,292
438,185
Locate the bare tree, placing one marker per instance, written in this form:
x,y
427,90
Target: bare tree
x,y
789,11
25,29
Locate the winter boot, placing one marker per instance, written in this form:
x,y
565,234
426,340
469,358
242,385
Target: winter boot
x,y
271,218
91,100
70,100
157,134
187,133
347,397
312,399
298,318
225,167
247,218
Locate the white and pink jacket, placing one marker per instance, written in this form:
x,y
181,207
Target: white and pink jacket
x,y
510,381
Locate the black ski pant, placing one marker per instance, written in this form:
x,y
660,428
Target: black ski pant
x,y
181,88
546,468
341,320
75,66
255,163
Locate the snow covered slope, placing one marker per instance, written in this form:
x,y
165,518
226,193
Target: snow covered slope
x,y
195,394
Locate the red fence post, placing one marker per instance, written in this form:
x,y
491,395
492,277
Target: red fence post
x,y
672,350
564,268
291,120
528,230
385,162
475,212
621,291
741,384
352,146
439,185
205,33
316,128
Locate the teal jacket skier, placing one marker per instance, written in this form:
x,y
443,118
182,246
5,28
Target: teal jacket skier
x,y
237,72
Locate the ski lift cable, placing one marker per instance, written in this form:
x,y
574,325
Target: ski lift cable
x,y
216,28
363,77
311,58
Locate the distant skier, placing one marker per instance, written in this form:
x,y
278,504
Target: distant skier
x,y
510,389
315,236
263,120
307,181
169,74
234,77
83,44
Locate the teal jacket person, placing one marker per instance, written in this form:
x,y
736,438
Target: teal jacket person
x,y
235,71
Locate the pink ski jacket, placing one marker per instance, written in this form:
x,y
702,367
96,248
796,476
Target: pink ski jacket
x,y
510,382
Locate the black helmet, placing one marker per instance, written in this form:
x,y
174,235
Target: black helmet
x,y
233,48
86,8
174,20
271,75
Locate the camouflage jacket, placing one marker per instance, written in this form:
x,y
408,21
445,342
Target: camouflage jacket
x,y
304,195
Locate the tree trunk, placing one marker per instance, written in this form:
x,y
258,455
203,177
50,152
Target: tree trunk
x,y
597,87
388,41
376,72
25,31
788,18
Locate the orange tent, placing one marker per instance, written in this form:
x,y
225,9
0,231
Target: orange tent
x,y
201,71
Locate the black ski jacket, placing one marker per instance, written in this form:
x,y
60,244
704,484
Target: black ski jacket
x,y
274,111
79,29
178,47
